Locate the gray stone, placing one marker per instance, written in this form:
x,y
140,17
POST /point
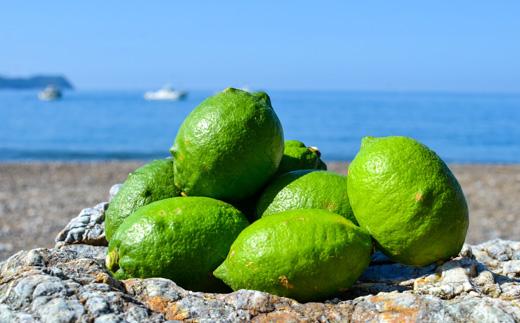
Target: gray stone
x,y
60,310
6,246
511,268
87,228
8,316
70,283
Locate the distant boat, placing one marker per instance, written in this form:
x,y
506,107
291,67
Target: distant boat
x,y
50,93
166,93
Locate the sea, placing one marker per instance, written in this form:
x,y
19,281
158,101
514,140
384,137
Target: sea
x,y
121,125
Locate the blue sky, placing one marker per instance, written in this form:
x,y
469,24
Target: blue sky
x,y
343,45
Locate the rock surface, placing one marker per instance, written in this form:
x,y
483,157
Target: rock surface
x,y
88,227
69,283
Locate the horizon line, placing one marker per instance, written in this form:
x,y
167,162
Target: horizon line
x,y
324,90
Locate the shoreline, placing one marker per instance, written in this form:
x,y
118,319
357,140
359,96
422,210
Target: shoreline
x,y
334,163
37,199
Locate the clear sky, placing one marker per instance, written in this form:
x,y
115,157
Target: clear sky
x,y
462,45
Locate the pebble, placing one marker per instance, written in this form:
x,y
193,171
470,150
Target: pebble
x,y
6,247
70,283
511,267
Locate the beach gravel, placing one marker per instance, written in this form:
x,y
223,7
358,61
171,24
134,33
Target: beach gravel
x,y
37,200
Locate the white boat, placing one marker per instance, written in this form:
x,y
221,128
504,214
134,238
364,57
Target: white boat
x,y
50,93
166,93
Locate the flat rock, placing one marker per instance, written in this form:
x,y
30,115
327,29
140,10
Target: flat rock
x,y
69,283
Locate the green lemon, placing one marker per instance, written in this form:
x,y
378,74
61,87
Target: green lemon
x,y
228,147
181,238
298,156
149,183
303,254
406,197
306,189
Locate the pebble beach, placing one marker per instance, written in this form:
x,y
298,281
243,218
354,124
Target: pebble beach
x,y
38,199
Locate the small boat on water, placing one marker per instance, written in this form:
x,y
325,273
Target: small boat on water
x,y
166,93
50,93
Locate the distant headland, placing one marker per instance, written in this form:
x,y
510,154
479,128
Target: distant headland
x,y
35,82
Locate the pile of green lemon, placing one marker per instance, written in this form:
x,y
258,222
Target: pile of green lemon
x,y
237,207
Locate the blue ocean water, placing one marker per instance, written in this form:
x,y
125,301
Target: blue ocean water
x,y
102,125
